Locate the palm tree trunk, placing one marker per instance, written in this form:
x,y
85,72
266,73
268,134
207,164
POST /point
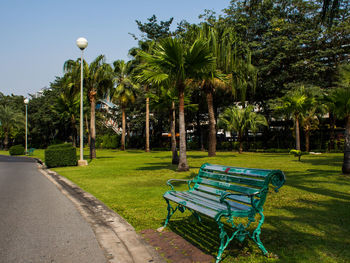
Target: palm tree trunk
x,y
123,129
87,130
307,139
240,140
74,134
6,140
346,162
147,122
92,127
297,134
212,124
332,133
175,157
183,166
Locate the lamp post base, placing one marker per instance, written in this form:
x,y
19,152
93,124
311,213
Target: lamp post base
x,y
82,163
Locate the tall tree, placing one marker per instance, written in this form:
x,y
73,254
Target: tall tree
x,y
10,120
125,92
67,105
98,79
341,98
175,62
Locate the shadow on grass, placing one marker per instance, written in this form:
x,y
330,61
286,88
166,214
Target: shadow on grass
x,y
158,166
324,160
313,229
319,182
161,165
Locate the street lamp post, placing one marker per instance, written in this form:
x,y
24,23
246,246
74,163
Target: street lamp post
x,y
82,44
26,101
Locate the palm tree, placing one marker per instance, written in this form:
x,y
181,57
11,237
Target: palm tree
x,y
240,120
125,91
173,61
166,99
293,104
98,79
67,105
232,63
341,98
9,120
313,111
137,64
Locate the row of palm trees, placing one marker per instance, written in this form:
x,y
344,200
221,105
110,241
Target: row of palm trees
x,y
206,58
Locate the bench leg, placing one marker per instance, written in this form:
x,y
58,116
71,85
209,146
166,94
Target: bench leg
x,y
171,211
256,235
225,239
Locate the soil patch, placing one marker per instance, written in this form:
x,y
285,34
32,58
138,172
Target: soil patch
x,y
174,248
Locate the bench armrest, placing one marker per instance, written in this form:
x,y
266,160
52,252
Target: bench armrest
x,y
178,180
225,195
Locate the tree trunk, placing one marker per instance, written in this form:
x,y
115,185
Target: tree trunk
x,y
123,130
87,130
332,133
183,166
74,133
307,140
212,124
297,134
346,162
6,140
92,127
175,156
240,140
147,123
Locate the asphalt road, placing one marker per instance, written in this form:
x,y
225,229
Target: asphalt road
x,y
37,222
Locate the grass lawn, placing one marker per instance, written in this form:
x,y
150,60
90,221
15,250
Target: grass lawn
x,y
307,221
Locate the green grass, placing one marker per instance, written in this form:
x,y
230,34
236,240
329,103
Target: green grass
x,y
307,221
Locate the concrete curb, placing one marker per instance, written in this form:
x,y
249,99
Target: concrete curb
x,y
115,235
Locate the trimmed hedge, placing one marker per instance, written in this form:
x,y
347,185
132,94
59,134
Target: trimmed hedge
x,y
60,155
59,146
16,150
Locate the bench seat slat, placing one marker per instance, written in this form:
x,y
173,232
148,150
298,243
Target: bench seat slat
x,y
261,173
228,186
216,199
232,178
198,208
243,199
201,201
212,203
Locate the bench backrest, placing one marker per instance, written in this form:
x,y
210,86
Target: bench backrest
x,y
218,179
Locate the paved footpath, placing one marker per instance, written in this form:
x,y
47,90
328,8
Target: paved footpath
x,y
37,222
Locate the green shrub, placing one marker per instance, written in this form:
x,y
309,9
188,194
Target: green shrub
x,y
110,141
60,146
60,155
193,145
297,153
228,146
16,150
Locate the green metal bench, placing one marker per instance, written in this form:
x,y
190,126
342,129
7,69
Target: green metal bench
x,y
226,193
31,151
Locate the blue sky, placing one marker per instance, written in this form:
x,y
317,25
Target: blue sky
x,y
38,36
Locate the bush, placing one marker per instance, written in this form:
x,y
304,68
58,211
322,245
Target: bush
x,y
110,141
193,145
297,153
16,150
60,146
60,155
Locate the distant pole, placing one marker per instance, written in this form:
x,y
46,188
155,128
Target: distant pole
x,y
26,101
82,44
